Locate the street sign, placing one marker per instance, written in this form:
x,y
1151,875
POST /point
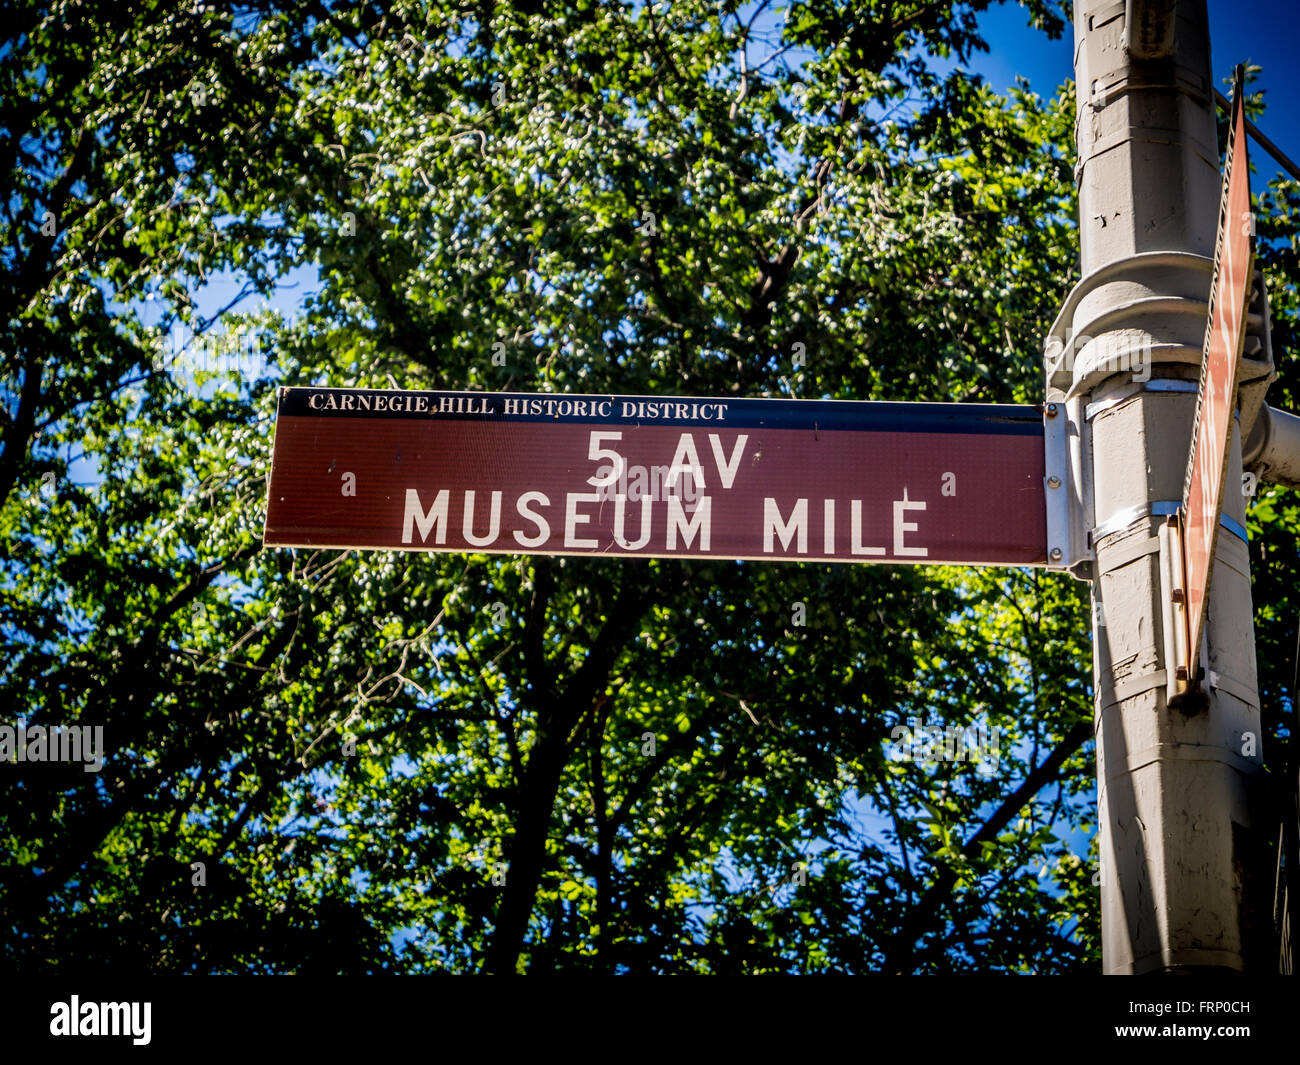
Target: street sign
x,y
1217,400
641,476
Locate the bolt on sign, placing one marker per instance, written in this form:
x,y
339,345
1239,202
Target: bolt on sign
x,y
1216,403
509,473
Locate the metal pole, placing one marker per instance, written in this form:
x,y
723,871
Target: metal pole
x,y
1181,821
1274,447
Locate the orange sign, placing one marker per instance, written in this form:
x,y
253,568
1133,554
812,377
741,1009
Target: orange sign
x,y
1221,359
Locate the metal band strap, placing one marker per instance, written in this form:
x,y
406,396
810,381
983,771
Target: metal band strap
x,y
1191,752
1137,685
1159,508
1160,679
1233,687
1159,384
1124,555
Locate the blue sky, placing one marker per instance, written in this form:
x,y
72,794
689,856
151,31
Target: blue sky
x,y
1263,32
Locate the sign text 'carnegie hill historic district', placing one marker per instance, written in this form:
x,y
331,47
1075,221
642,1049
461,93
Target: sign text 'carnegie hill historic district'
x,y
509,473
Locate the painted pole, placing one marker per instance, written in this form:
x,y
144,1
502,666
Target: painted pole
x,y
1182,816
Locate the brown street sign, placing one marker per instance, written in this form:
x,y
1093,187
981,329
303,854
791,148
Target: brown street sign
x,y
509,473
1217,401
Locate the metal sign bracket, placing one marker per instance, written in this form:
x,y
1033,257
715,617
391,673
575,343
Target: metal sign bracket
x,y
1181,692
1064,472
